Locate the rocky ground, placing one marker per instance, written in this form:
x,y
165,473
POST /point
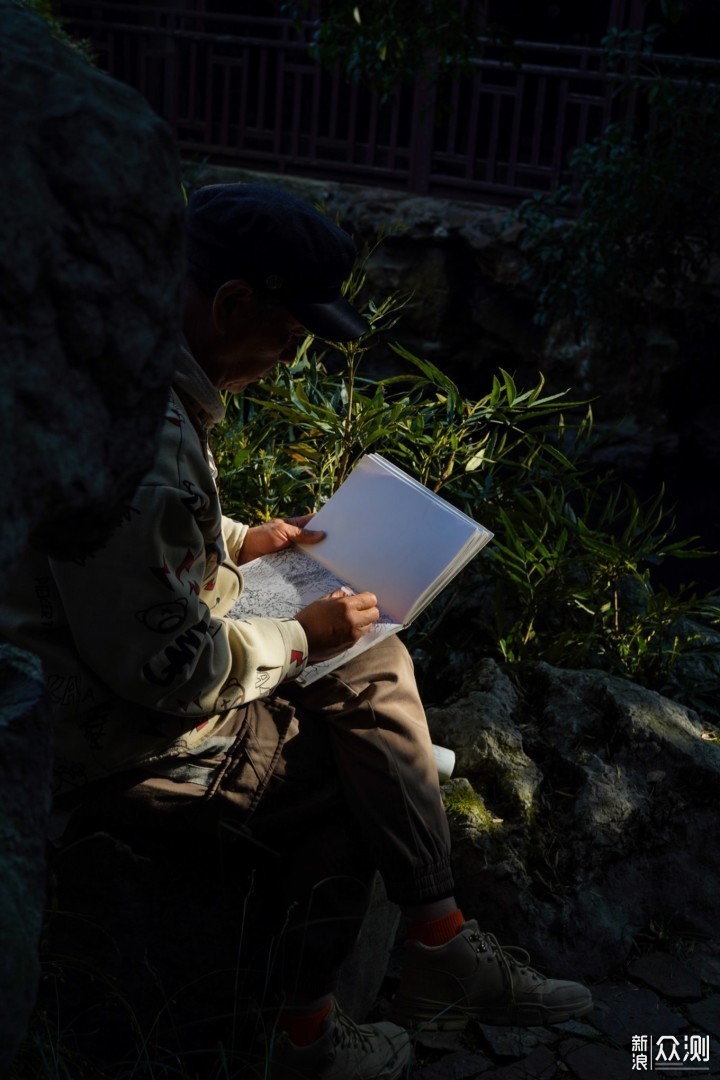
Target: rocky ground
x,y
661,1014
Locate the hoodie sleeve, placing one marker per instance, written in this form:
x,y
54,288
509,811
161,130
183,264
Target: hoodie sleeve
x,y
234,534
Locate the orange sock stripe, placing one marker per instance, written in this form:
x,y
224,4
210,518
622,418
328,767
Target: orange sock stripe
x,y
438,931
303,1028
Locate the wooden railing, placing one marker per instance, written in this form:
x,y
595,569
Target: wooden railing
x,y
244,90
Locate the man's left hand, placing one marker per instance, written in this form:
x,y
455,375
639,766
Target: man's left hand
x,y
276,535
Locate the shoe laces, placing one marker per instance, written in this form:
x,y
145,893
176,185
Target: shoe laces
x,y
510,957
348,1035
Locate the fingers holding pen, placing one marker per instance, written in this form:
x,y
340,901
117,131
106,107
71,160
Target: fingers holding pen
x,y
335,622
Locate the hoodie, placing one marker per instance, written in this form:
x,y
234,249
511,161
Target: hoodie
x,y
141,660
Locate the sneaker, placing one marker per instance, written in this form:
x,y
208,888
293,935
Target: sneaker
x,y
344,1051
472,976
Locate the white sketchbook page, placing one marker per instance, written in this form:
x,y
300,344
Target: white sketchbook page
x,y
279,585
387,534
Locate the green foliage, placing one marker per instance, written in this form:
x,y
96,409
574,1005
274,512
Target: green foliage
x,y
389,42
568,577
576,570
648,222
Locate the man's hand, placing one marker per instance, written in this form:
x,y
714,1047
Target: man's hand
x,y
276,535
336,622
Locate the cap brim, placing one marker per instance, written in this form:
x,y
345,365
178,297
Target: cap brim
x,y
334,321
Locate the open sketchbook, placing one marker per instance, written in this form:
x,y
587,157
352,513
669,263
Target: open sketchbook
x,y
386,534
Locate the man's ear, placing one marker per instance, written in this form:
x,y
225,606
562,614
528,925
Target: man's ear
x,y
232,299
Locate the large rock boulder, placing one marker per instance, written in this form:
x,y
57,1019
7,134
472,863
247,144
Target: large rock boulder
x,y
91,218
585,815
90,266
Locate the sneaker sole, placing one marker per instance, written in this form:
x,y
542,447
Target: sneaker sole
x,y
434,1016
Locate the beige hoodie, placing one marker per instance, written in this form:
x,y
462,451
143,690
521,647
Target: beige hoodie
x,y
140,659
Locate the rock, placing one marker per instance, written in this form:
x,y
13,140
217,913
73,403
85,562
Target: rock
x,y
697,668
24,804
482,730
706,965
667,976
541,1064
577,1027
706,1014
449,1041
610,820
91,265
514,1042
595,1061
460,1066
622,1011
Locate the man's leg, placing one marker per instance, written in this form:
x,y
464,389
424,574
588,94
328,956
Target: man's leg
x,y
383,754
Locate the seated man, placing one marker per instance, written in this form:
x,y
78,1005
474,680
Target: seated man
x,y
168,707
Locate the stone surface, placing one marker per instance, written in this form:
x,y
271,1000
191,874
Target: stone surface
x,y
459,1066
481,727
91,219
514,1042
706,1014
623,1010
706,966
24,804
617,831
595,1061
666,975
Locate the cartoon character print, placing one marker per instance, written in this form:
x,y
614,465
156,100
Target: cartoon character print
x,y
263,683
214,557
164,618
93,726
67,690
170,663
67,774
194,500
165,573
231,695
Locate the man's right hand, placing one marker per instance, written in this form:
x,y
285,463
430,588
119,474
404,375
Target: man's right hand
x,y
336,622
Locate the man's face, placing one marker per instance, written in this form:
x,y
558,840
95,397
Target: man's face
x,y
257,338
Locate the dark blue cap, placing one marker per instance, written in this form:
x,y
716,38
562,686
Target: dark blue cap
x,y
278,244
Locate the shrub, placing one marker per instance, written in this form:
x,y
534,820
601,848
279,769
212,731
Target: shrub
x,y
645,224
569,576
